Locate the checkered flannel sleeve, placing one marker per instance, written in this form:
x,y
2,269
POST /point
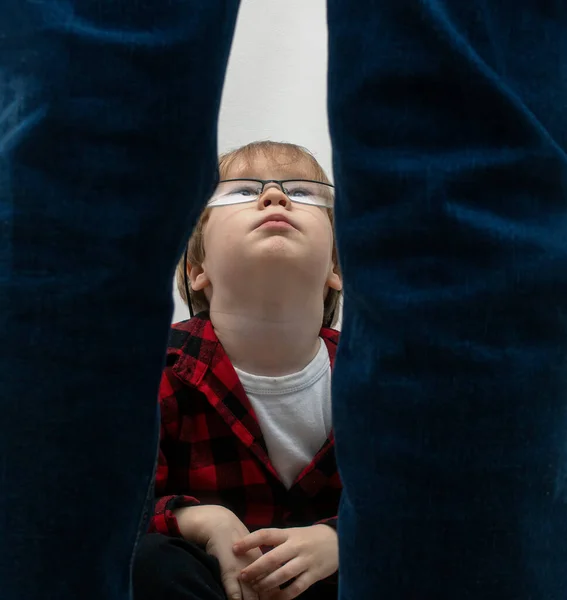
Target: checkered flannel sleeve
x,y
164,520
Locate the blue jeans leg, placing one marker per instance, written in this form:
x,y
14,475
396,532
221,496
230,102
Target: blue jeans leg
x,y
108,113
449,131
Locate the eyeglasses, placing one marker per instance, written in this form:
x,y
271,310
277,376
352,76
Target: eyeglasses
x,y
302,191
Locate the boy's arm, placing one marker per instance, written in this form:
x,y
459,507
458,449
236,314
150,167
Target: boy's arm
x,y
172,513
164,519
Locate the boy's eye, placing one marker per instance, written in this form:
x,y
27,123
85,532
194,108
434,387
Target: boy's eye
x,y
244,190
299,193
302,192
240,192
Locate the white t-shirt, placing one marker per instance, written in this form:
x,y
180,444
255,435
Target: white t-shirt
x,y
294,413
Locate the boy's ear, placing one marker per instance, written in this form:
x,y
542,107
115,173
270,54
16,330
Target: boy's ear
x,y
334,280
198,277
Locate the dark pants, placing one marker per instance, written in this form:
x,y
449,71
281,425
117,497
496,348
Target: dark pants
x,y
449,130
172,569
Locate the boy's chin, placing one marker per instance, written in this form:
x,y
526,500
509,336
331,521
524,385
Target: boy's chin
x,y
277,247
274,257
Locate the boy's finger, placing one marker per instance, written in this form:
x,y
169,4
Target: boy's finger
x,y
232,587
286,573
248,593
268,563
262,537
295,589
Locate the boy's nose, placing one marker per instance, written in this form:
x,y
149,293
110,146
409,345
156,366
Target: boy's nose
x,y
273,196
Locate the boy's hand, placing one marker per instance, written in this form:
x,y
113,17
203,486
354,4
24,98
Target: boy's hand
x,y
308,554
218,528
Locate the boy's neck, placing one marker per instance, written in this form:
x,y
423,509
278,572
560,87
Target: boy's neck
x,y
268,336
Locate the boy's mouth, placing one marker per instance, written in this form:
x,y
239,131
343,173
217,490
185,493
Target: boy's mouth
x,y
276,221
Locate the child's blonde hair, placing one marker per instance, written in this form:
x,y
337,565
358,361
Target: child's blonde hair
x,y
196,247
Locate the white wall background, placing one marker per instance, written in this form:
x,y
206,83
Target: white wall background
x,y
275,86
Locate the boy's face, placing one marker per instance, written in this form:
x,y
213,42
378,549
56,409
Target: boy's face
x,y
269,237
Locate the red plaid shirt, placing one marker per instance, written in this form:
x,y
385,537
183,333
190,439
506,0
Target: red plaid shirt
x,y
212,450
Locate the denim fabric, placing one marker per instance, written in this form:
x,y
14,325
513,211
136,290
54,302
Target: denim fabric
x,y
448,122
449,126
108,113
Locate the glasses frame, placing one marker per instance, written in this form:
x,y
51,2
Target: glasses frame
x,y
264,182
279,182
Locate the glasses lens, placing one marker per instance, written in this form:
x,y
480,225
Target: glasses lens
x,y
308,192
235,192
244,190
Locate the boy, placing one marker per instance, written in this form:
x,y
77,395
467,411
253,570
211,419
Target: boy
x,y
246,441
